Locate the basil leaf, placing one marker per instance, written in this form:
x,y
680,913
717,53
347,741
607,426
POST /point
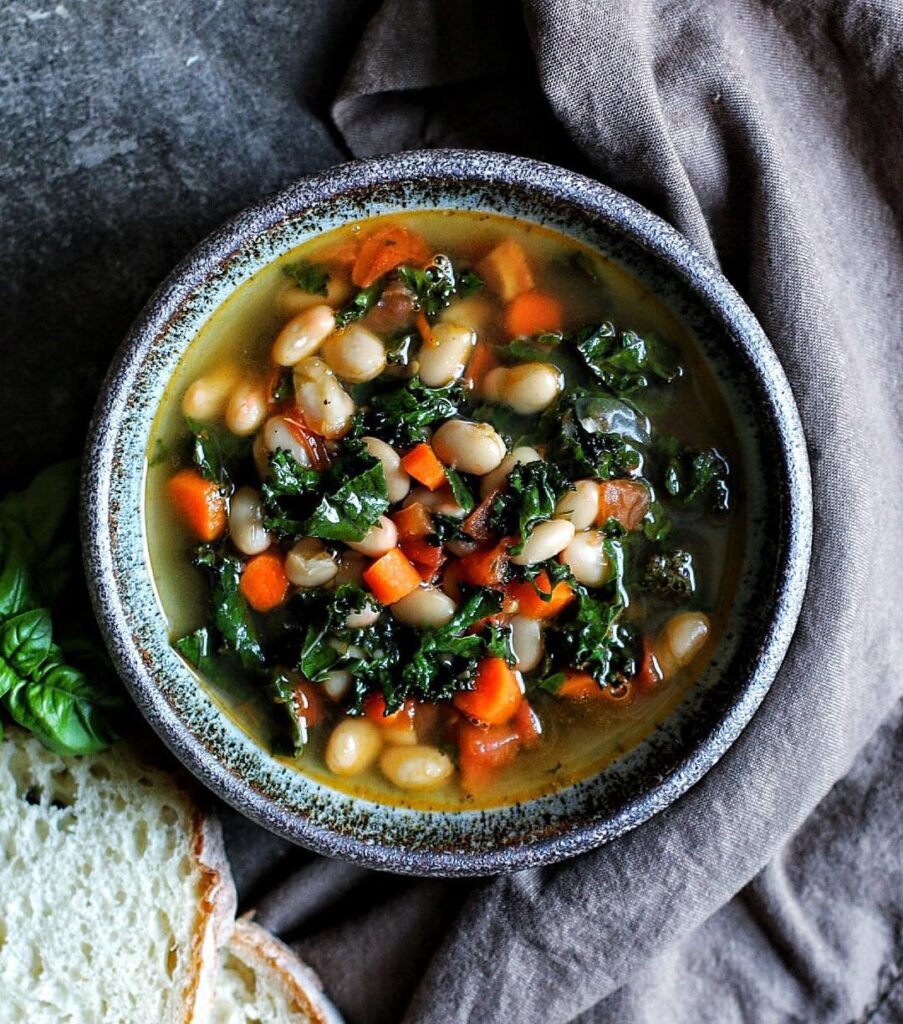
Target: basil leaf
x,y
66,712
25,640
309,277
17,586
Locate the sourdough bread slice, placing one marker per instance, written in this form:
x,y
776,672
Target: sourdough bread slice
x,y
261,981
115,893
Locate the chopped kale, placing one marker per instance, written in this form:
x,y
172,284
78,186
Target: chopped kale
x,y
360,305
400,348
460,490
309,277
693,475
557,572
533,491
220,456
340,503
436,285
656,523
232,618
623,361
670,573
284,386
580,446
399,414
528,350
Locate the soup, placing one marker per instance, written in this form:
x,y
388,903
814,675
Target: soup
x,y
439,508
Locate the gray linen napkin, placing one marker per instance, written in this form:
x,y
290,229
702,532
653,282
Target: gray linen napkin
x,y
769,134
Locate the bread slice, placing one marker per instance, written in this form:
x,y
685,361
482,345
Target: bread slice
x,y
261,981
115,893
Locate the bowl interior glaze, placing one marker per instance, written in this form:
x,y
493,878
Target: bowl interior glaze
x,y
554,826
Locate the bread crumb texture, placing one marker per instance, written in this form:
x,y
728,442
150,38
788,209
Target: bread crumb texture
x,y
100,889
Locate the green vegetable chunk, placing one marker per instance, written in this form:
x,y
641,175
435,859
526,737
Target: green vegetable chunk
x,y
623,361
671,573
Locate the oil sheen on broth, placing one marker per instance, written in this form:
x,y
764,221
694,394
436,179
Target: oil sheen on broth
x,y
645,421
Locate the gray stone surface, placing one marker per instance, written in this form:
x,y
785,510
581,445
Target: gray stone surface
x,y
127,132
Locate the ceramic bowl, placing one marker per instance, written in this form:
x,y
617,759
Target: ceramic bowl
x,y
538,831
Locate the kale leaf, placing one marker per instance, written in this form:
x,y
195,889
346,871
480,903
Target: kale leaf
x,y
399,414
579,444
359,305
231,615
529,350
309,277
340,503
623,361
589,637
533,491
218,453
435,286
460,490
692,475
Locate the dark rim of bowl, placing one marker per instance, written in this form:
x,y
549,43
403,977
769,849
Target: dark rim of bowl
x,y
549,185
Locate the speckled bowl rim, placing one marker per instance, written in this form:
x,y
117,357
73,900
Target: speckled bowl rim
x,y
544,183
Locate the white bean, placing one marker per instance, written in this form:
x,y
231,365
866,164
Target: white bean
x,y
336,684
586,558
303,334
526,639
397,480
418,767
470,447
246,527
443,356
581,505
206,397
308,564
400,735
527,388
354,745
325,405
495,479
381,537
279,436
426,607
682,638
293,300
355,354
546,540
246,408
442,501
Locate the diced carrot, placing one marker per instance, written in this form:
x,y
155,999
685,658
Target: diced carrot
x,y
386,249
199,503
529,603
532,313
307,701
505,270
650,673
263,582
579,686
527,724
391,577
627,501
413,521
421,553
480,363
496,694
421,463
488,566
482,752
343,254
477,524
423,327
